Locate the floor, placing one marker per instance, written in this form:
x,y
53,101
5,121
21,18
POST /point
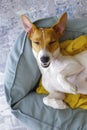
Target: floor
x,y
10,27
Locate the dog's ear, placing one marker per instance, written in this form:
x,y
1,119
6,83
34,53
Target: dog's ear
x,y
28,25
61,24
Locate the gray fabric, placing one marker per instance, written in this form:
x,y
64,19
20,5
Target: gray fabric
x,y
22,75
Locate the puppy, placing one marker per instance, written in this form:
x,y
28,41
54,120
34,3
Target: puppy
x,y
60,74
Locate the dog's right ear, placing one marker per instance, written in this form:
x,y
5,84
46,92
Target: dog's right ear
x,y
28,25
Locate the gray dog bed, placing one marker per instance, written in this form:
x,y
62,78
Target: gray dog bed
x,y
22,76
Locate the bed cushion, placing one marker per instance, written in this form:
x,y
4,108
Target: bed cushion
x,y
21,79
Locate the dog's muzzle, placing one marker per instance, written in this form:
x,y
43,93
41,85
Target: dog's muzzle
x,y
45,61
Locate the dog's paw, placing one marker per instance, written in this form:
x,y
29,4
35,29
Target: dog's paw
x,y
54,103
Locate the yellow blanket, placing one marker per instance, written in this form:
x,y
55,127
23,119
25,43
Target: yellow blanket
x,y
71,47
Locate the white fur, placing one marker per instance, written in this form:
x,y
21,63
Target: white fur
x,y
65,74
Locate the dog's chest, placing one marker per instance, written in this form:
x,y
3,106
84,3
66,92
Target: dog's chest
x,y
49,78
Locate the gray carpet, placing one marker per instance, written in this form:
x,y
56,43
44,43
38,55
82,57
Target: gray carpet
x,y
10,28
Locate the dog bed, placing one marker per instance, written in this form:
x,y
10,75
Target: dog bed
x,y
22,77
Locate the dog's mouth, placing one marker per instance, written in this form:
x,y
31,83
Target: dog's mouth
x,y
45,65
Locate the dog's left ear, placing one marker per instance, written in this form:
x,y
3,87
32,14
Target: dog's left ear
x,y
28,25
60,26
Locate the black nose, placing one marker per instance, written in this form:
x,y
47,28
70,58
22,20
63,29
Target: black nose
x,y
44,59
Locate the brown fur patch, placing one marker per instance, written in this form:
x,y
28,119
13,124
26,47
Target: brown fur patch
x,y
45,38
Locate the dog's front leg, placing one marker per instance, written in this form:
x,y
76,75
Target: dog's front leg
x,y
55,100
71,69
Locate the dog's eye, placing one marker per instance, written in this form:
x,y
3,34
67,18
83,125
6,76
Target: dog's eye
x,y
52,42
37,43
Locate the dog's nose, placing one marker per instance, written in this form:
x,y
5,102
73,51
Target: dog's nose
x,y
44,59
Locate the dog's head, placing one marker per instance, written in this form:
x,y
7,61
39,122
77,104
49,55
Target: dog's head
x,y
45,41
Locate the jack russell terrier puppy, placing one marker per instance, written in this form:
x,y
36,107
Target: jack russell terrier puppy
x,y
60,74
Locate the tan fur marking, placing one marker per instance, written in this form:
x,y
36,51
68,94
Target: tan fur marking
x,y
45,40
